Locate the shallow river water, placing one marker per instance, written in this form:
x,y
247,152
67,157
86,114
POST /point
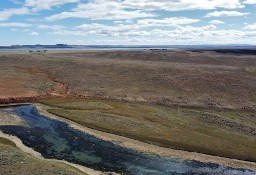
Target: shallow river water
x,y
55,139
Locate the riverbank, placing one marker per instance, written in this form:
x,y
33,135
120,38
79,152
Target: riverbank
x,y
78,169
128,143
148,148
16,146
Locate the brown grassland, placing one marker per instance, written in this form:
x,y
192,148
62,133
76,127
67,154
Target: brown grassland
x,y
202,79
200,101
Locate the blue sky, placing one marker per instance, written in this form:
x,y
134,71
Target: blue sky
x,y
128,22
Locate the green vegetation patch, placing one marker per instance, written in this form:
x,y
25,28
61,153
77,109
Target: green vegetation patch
x,y
83,105
86,157
5,141
222,133
16,162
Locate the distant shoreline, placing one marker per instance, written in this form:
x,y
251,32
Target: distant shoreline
x,y
73,48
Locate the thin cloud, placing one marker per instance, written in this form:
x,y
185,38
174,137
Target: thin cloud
x,y
38,5
178,5
15,24
225,14
250,2
166,21
216,22
134,29
34,33
8,13
250,27
51,27
16,2
99,10
132,9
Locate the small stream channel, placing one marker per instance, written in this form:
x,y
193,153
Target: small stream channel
x,y
55,139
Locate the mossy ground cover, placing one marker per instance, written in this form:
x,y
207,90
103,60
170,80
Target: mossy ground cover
x,y
4,141
216,132
13,161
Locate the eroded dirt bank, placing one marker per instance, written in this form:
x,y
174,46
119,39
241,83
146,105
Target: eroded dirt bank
x,y
37,85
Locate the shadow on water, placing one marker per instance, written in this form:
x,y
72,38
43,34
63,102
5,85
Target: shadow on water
x,y
55,139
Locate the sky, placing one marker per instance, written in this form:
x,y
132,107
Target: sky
x,y
127,22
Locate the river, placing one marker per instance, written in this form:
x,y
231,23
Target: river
x,y
55,139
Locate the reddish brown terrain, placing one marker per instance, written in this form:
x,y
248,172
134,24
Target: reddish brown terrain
x,y
180,77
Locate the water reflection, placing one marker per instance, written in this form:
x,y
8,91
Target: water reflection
x,y
54,139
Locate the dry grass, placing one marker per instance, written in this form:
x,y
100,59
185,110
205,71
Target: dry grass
x,y
204,79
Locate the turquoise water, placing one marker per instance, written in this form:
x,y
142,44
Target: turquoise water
x,y
54,139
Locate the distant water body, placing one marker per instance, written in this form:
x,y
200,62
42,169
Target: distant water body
x,y
54,139
76,49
